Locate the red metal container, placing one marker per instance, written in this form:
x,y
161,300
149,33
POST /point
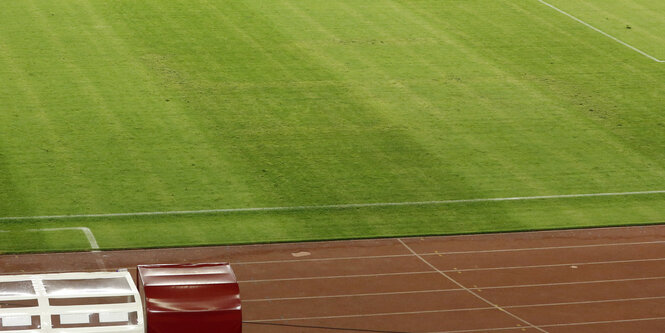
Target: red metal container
x,y
201,298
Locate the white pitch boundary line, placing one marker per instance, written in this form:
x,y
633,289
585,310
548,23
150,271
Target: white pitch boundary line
x,y
602,32
469,290
340,206
86,231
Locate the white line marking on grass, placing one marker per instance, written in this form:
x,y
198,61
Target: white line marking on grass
x,y
471,291
602,32
86,231
339,206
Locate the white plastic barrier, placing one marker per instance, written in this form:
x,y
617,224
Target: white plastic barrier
x,y
70,302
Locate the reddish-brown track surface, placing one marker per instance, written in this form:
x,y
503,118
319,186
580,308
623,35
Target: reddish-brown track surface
x,y
594,280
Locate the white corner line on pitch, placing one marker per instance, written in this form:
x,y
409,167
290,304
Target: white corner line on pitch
x,y
86,231
602,32
337,206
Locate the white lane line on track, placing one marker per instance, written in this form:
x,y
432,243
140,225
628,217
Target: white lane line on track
x,y
555,325
602,32
431,272
445,253
514,316
458,289
606,322
546,248
267,262
352,295
554,265
493,307
478,269
572,283
334,277
322,207
508,267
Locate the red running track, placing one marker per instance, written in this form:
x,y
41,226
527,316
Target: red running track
x,y
589,280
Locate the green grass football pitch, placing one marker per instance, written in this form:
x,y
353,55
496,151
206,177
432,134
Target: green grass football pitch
x,y
154,106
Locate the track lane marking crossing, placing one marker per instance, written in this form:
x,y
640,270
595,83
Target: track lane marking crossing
x,y
469,290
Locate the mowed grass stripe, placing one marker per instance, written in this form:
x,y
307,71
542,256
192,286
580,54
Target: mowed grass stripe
x,y
152,106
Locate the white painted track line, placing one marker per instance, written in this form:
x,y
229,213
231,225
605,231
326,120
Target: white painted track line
x,y
471,291
573,283
554,265
606,322
351,295
265,262
458,289
334,277
493,306
556,325
462,270
545,248
602,32
452,289
465,270
445,253
323,207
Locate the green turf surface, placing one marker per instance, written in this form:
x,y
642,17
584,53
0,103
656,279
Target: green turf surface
x,y
137,106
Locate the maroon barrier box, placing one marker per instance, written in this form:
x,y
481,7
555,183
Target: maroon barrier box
x,y
198,298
